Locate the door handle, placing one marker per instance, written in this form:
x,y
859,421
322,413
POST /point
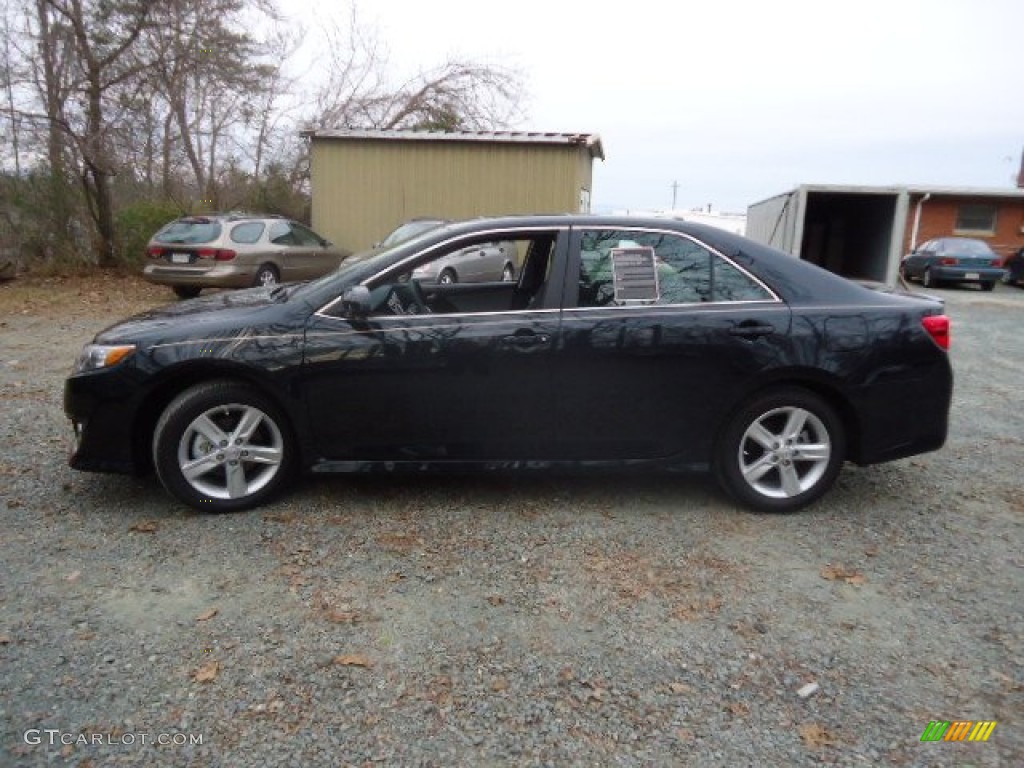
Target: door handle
x,y
751,329
526,340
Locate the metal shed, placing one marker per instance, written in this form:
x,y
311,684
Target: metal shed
x,y
366,183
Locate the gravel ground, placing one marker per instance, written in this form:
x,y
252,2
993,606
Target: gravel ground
x,y
523,620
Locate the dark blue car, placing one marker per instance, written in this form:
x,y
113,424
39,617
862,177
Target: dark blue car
x,y
953,260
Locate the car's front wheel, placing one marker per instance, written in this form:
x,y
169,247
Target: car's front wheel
x,y
928,281
781,451
221,446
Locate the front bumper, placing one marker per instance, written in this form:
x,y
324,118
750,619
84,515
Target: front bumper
x,y
102,408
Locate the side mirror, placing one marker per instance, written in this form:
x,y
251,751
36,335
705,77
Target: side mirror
x,y
356,301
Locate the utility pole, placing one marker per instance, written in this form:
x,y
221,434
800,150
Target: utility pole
x,y
675,189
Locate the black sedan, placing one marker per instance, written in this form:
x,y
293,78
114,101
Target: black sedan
x,y
1014,266
623,342
953,260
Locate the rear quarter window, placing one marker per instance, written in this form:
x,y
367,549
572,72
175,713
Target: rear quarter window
x,y
189,231
250,232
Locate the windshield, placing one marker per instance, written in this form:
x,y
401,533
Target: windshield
x,y
197,230
409,230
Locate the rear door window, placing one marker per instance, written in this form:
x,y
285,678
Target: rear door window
x,y
249,232
686,272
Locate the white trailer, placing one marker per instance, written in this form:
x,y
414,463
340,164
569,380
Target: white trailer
x,y
857,232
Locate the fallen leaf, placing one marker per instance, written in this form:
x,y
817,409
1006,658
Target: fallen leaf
x,y
685,734
841,573
499,684
73,576
207,673
86,636
146,526
567,675
353,660
207,615
738,708
496,600
679,688
815,735
67,750
5,639
279,517
343,617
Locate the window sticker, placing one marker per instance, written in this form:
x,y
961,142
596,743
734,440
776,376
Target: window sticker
x,y
635,274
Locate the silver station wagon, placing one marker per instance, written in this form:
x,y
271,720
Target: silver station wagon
x,y
236,251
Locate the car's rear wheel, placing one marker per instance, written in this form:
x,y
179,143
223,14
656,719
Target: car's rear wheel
x,y
447,277
781,451
988,285
508,274
266,275
221,446
186,291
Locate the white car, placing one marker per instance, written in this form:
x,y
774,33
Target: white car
x,y
485,263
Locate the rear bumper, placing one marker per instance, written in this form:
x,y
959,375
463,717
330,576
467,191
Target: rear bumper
x,y
968,274
905,415
217,276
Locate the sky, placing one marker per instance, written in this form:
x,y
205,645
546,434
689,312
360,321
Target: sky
x,y
737,100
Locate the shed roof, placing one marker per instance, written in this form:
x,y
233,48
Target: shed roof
x,y
591,141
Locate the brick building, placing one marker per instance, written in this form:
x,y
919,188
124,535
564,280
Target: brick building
x,y
996,216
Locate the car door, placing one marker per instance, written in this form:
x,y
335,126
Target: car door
x,y
316,257
919,259
445,385
653,378
294,257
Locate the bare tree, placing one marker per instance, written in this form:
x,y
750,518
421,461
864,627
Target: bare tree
x,y
458,95
103,34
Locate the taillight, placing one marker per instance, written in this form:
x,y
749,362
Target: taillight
x,y
154,252
997,262
217,254
948,262
938,328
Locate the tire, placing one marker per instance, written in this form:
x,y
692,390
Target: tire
x,y
447,277
928,281
988,285
753,450
266,275
199,428
186,291
508,273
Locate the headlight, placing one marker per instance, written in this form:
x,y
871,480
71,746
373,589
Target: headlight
x,y
95,356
